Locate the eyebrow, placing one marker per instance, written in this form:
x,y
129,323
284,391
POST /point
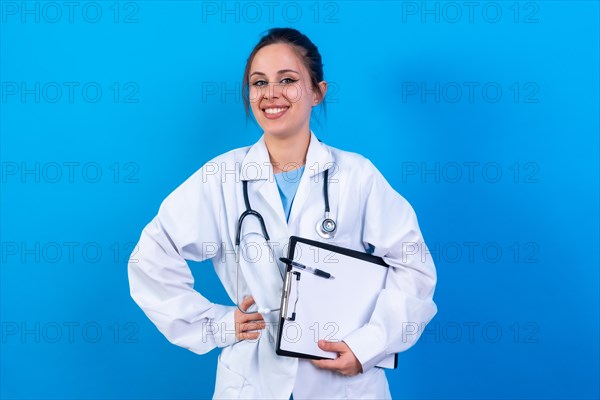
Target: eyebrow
x,y
281,71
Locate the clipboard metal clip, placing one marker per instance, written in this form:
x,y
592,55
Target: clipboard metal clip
x,y
288,284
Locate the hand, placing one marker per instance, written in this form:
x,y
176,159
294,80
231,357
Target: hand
x,y
346,364
247,326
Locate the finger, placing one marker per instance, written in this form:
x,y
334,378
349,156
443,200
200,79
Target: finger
x,y
332,346
249,335
252,326
339,365
251,317
327,364
247,302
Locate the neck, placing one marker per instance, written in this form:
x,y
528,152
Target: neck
x,y
287,153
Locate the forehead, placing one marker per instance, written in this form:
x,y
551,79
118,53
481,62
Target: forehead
x,y
275,57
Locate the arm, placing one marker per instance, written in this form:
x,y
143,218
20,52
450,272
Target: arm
x,y
161,283
406,304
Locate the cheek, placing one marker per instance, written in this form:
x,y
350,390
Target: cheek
x,y
255,94
294,93
301,97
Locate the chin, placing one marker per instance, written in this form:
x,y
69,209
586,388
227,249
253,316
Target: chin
x,y
277,131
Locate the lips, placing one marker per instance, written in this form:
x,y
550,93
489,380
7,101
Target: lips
x,y
274,112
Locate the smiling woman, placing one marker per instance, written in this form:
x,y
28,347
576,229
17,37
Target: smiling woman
x,y
206,218
283,81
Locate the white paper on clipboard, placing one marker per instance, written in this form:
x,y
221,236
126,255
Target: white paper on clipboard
x,y
315,308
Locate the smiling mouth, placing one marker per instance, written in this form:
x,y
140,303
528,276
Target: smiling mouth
x,y
274,112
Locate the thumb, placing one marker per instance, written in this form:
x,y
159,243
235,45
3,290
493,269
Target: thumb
x,y
330,346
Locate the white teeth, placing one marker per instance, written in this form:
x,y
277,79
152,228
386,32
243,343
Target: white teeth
x,y
273,110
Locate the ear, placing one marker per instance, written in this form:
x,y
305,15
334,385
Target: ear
x,y
316,98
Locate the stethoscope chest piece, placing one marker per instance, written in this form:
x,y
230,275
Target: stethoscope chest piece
x,y
326,228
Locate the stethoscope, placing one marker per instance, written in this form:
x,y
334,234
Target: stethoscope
x,y
326,228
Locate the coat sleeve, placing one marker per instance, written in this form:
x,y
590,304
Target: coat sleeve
x,y
405,305
161,283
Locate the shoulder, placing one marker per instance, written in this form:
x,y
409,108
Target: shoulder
x,y
227,163
360,170
352,163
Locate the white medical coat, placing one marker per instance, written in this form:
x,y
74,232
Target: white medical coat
x,y
198,221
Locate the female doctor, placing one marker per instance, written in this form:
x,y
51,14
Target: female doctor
x,y
289,183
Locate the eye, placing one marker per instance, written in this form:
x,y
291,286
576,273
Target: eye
x,y
259,83
289,80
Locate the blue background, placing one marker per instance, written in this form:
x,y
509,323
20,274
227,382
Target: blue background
x,y
522,323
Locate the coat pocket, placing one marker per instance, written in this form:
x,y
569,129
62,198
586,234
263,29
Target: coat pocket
x,y
229,384
372,384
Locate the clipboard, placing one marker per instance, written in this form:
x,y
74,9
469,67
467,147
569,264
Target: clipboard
x,y
314,307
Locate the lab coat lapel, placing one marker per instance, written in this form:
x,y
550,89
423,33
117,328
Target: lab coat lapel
x,y
318,159
257,167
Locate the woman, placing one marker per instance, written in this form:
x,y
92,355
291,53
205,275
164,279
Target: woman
x,y
284,172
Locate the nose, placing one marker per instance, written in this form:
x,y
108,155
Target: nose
x,y
271,90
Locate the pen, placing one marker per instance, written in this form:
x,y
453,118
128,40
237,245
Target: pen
x,y
315,271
